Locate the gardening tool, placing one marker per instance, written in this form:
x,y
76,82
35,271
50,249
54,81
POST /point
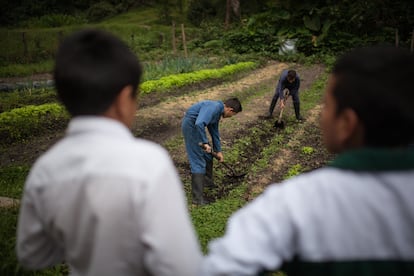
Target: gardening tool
x,y
279,123
233,172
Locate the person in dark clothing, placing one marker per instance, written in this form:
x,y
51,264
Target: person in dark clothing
x,y
204,114
289,80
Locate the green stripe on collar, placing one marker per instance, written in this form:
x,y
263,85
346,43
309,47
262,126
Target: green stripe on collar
x,y
357,267
375,159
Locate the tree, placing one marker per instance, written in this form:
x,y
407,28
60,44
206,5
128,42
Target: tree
x,y
232,7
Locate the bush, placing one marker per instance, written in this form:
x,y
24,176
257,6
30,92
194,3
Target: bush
x,y
100,10
17,99
243,41
179,80
29,121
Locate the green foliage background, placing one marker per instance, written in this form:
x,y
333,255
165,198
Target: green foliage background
x,y
34,28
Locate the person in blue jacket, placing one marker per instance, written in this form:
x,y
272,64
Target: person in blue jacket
x,y
204,114
290,80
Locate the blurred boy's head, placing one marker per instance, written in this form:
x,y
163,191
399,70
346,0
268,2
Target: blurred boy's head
x,y
369,100
92,69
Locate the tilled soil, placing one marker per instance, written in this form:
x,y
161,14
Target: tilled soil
x,y
159,117
161,123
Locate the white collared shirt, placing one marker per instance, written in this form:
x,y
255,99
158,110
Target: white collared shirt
x,y
106,203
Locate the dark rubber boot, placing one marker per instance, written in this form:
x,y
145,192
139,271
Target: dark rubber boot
x,y
209,174
297,111
272,106
197,187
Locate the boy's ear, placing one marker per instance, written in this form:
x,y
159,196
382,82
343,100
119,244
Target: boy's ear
x,y
123,106
125,96
349,128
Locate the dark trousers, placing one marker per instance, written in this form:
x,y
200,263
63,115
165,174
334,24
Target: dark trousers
x,y
296,103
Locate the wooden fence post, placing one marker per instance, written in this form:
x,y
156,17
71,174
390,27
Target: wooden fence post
x,y
184,43
173,39
160,39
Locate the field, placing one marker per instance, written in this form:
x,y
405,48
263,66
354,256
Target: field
x,y
251,144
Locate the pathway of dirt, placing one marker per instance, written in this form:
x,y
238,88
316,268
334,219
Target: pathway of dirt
x,y
6,202
284,157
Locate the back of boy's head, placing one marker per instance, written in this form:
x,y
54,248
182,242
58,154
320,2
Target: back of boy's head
x,y
235,104
92,67
377,83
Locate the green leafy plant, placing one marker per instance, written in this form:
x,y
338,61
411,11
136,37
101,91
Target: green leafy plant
x,y
179,80
307,150
293,171
21,123
16,99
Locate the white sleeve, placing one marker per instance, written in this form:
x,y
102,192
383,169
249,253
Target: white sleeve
x,y
172,246
35,248
258,237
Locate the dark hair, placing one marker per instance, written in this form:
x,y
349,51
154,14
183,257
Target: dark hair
x,y
235,104
291,74
377,83
92,67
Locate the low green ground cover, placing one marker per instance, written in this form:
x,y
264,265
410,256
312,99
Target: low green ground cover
x,y
179,80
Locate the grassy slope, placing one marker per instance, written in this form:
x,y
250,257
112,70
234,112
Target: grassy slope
x,y
139,28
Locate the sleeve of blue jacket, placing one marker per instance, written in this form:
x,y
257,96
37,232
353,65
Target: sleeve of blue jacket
x,y
215,136
206,118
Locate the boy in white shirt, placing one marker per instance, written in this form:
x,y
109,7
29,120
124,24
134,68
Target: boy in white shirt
x,y
101,200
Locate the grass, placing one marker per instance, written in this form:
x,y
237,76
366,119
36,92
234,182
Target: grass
x,y
27,51
17,99
24,70
12,180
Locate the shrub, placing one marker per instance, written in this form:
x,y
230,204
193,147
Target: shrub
x,y
307,150
29,121
180,80
100,10
293,171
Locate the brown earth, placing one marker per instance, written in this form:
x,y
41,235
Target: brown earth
x,y
159,116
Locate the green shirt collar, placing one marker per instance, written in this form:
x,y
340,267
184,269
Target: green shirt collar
x,y
375,159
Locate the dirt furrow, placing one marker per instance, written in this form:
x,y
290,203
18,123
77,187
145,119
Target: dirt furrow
x,y
287,156
162,121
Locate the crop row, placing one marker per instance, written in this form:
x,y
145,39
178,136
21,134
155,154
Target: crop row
x,y
28,121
